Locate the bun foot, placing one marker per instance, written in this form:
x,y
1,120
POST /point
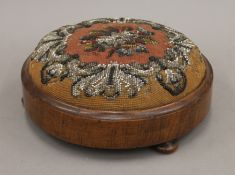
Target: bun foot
x,y
22,101
167,148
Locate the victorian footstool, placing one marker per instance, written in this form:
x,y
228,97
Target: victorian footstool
x,y
117,84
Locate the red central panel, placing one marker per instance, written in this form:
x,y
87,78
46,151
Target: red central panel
x,y
156,46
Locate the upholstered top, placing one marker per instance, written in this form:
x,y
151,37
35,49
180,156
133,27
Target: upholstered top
x,y
116,64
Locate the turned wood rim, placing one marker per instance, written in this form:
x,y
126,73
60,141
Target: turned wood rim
x,y
190,99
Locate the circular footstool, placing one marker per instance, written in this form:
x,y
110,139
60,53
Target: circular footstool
x,y
117,84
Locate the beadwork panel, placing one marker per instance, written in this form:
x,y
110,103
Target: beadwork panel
x,y
116,61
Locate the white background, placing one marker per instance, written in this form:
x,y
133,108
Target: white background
x,y
26,150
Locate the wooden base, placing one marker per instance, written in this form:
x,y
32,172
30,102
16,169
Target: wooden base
x,y
118,129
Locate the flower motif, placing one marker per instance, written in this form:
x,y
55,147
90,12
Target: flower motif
x,y
125,42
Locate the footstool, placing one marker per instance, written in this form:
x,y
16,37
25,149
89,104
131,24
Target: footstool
x,y
117,84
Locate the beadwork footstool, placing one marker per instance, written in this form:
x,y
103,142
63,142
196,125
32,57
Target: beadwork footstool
x,y
117,84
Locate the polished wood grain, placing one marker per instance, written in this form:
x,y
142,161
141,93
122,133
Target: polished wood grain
x,y
117,129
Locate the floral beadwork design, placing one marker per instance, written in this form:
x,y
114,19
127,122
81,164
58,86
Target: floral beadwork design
x,y
125,42
110,80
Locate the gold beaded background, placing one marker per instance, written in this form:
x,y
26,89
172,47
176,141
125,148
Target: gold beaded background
x,y
150,96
